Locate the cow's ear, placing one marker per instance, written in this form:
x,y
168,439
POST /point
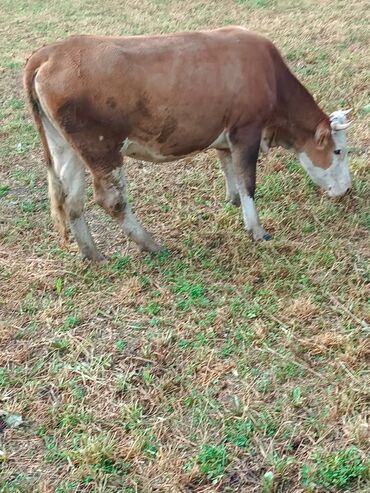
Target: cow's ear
x,y
322,134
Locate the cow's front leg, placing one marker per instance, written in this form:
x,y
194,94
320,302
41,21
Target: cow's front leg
x,y
245,148
232,192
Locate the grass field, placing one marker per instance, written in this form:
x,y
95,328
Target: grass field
x,y
224,366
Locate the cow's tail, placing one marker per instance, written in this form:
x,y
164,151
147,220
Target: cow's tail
x,y
56,192
33,65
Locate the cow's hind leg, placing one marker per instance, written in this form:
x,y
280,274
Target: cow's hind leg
x,y
110,193
57,203
66,179
232,192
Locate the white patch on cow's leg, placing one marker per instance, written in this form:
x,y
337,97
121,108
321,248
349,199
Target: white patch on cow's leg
x,y
232,192
110,193
251,220
57,203
73,179
67,185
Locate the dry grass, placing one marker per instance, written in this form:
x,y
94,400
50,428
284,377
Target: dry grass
x,y
224,366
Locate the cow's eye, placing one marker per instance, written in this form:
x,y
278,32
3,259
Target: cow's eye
x,y
337,151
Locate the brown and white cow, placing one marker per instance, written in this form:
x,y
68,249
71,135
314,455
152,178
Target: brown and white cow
x,y
158,98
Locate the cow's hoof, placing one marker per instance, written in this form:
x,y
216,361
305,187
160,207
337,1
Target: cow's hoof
x,y
260,234
152,247
159,251
96,258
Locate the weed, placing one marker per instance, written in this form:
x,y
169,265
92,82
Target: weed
x,y
71,321
4,190
61,345
268,482
212,460
337,470
58,285
120,263
239,433
120,345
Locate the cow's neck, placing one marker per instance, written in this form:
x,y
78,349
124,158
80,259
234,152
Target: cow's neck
x,y
297,115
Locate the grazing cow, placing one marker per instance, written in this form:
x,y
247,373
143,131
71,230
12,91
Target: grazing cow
x,y
96,99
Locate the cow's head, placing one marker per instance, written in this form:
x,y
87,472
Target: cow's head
x,y
324,156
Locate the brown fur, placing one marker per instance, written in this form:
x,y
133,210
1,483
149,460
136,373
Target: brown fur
x,y
175,93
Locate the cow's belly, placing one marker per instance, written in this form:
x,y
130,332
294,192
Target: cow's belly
x,y
146,152
150,152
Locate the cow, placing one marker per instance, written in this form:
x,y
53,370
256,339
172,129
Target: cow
x,y
96,99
